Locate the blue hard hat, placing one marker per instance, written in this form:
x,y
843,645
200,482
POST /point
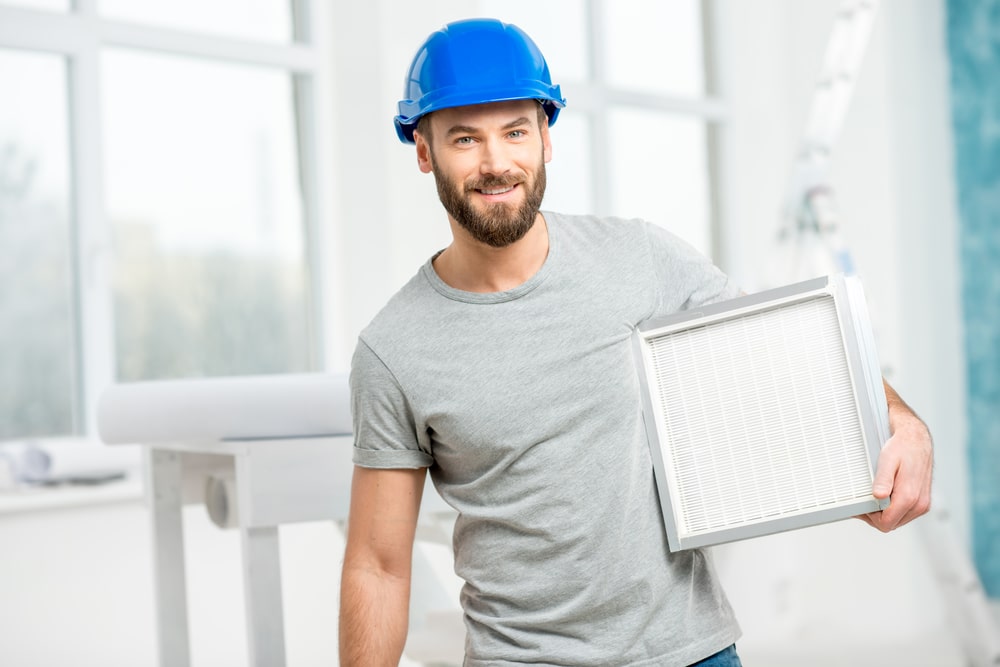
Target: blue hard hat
x,y
473,62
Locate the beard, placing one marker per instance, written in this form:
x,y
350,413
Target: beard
x,y
498,224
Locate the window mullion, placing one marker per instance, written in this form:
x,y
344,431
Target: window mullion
x,y
40,31
69,33
303,16
306,129
92,235
591,96
599,129
85,7
715,133
312,103
294,57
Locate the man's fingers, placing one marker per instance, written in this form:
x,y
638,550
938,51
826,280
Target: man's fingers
x,y
904,468
887,521
885,473
903,480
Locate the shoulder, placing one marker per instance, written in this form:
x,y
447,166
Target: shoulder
x,y
606,236
406,307
621,230
372,364
594,226
646,253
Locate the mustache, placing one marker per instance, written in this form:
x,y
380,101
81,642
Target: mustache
x,y
487,182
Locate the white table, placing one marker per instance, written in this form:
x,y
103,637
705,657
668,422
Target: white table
x,y
276,482
199,431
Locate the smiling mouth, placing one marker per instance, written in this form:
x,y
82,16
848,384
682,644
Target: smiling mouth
x,y
492,185
496,190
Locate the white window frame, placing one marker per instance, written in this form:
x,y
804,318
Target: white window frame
x,y
596,96
79,36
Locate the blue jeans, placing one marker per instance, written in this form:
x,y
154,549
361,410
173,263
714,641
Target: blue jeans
x,y
725,658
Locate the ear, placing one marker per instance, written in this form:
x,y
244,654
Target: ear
x,y
423,153
546,141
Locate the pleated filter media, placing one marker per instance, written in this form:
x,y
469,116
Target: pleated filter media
x,y
765,413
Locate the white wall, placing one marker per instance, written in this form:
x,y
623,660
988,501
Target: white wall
x,y
75,586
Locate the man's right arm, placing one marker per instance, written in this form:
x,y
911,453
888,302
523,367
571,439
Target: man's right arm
x,y
375,583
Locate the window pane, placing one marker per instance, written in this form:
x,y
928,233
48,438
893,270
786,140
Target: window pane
x,y
204,200
659,171
569,187
558,27
37,324
266,20
655,46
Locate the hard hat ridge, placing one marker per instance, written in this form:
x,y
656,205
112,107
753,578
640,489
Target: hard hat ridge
x,y
475,61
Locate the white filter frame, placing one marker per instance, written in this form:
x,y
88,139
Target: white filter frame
x,y
750,435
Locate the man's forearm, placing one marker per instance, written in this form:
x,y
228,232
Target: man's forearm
x,y
374,614
900,414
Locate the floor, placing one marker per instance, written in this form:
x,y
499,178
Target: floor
x,y
75,589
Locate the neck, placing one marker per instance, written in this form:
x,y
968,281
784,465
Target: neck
x,y
473,266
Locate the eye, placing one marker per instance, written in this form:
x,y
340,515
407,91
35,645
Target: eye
x,y
517,134
463,141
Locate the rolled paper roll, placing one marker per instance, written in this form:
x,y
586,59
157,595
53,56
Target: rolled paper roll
x,y
225,409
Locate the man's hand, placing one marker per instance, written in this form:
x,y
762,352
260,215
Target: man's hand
x,y
904,468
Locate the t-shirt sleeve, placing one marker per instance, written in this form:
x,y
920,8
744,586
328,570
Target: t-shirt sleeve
x,y
685,277
385,431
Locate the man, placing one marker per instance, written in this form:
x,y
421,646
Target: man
x,y
504,366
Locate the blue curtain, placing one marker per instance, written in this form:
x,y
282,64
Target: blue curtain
x,y
974,51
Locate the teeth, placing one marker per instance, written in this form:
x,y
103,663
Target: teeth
x,y
497,192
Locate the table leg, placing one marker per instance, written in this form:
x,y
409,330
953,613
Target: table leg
x,y
262,587
164,472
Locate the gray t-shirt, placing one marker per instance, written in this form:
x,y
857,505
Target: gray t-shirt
x,y
525,406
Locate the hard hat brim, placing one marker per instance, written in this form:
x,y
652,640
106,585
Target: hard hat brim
x,y
411,111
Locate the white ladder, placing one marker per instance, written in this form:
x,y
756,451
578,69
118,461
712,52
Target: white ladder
x,y
811,226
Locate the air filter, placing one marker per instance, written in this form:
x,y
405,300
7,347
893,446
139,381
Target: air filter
x,y
764,413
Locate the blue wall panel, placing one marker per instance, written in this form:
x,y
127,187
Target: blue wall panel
x,y
974,51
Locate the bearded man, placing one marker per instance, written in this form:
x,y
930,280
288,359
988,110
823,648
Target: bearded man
x,y
504,367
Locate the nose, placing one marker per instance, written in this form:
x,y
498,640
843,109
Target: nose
x,y
495,158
